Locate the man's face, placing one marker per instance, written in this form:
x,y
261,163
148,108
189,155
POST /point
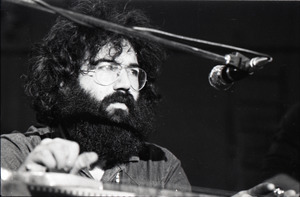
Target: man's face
x,y
126,59
112,120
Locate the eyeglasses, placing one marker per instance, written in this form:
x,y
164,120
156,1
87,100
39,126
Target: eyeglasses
x,y
108,74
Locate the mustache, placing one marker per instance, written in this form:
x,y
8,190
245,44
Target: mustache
x,y
119,97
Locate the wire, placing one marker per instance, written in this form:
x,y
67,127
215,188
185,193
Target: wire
x,y
95,22
197,40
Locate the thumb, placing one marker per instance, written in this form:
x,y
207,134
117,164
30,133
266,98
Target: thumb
x,y
84,160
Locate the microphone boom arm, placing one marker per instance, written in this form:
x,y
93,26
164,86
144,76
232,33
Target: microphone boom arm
x,y
145,33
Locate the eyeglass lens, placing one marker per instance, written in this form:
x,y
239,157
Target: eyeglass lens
x,y
108,74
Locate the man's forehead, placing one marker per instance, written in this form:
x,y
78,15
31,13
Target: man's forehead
x,y
108,51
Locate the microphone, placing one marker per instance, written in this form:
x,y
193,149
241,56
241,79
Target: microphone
x,y
222,77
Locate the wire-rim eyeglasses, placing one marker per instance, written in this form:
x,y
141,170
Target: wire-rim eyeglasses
x,y
108,74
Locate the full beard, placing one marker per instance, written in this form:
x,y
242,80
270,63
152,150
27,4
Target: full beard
x,y
114,137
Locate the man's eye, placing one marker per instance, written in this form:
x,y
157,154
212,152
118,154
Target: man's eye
x,y
134,72
113,68
108,67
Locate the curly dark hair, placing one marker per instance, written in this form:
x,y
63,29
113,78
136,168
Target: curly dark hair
x,y
58,58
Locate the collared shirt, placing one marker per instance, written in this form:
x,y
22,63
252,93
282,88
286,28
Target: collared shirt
x,y
155,166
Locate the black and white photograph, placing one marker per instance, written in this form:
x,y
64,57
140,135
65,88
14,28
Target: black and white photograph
x,y
150,98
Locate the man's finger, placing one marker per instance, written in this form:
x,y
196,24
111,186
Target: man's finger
x,y
65,153
38,160
71,158
46,141
34,167
84,160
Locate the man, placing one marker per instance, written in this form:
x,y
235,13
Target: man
x,y
94,96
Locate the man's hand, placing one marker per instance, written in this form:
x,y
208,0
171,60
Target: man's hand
x,y
58,155
265,189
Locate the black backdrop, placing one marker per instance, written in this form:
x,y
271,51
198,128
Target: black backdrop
x,y
221,137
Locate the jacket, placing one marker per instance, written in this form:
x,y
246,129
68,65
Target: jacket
x,y
155,166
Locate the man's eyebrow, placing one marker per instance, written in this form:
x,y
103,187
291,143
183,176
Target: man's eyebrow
x,y
112,61
95,62
134,65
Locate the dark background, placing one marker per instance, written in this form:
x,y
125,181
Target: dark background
x,y
221,137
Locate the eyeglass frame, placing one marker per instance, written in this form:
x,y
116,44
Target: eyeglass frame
x,y
120,68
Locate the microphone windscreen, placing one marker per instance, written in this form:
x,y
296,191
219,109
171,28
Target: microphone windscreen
x,y
216,79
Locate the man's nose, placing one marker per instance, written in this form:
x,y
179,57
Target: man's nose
x,y
123,82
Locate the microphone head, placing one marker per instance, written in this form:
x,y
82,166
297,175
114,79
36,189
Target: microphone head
x,y
217,80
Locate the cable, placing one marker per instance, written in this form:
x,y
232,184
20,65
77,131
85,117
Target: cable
x,y
197,40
